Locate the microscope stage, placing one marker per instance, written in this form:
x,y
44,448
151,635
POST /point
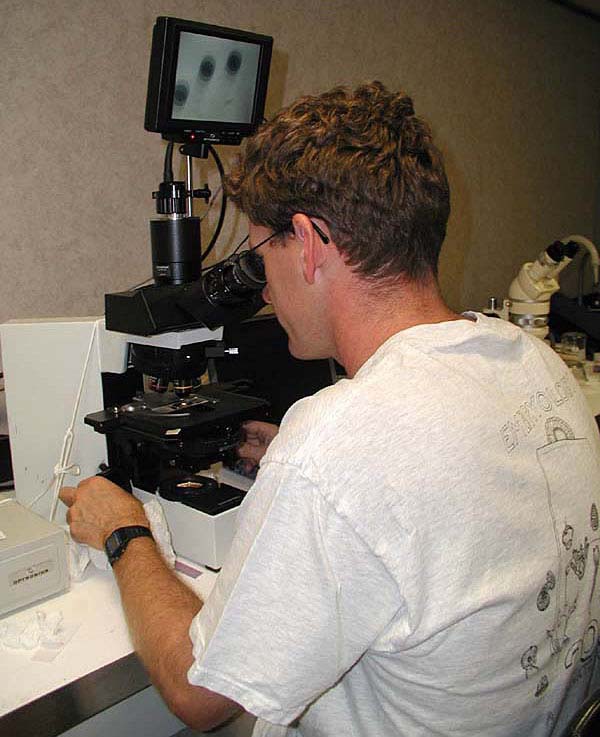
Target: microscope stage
x,y
165,416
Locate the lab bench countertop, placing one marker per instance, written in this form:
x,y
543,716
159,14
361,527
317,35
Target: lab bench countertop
x,y
95,669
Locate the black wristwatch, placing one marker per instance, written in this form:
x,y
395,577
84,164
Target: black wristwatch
x,y
117,541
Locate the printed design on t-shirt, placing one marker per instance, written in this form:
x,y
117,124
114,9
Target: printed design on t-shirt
x,y
596,559
539,407
563,592
567,537
529,661
543,600
542,685
557,429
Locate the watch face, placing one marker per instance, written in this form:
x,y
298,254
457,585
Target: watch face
x,y
112,544
117,542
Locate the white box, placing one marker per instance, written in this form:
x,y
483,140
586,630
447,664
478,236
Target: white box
x,y
44,362
199,537
33,557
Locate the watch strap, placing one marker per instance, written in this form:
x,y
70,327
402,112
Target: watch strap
x,y
117,542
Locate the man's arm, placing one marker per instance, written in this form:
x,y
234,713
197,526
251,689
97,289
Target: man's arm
x,y
159,608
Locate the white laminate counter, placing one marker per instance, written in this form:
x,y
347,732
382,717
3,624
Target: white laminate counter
x,y
92,608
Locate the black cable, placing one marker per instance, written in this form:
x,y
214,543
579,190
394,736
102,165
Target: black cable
x,y
211,203
576,7
139,284
239,245
219,225
223,260
582,263
168,178
168,167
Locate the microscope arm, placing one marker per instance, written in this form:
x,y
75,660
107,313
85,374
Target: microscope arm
x,y
592,250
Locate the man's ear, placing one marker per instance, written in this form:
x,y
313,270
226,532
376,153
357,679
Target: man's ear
x,y
313,252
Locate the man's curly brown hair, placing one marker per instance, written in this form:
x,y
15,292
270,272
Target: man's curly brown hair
x,y
364,163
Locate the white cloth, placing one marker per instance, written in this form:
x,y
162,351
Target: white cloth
x,y
80,555
39,629
419,553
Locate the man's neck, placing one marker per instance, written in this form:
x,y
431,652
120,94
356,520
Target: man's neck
x,y
367,315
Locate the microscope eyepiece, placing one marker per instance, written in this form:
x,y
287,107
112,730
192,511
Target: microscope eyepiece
x,y
235,279
250,270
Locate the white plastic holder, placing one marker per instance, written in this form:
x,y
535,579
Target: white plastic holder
x,y
201,538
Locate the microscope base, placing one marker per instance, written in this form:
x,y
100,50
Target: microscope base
x,y
199,537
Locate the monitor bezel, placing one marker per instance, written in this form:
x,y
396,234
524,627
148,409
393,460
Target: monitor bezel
x,y
162,79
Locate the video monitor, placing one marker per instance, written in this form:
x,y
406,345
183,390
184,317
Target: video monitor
x,y
206,83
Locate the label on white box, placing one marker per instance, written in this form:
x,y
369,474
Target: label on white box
x,y
30,573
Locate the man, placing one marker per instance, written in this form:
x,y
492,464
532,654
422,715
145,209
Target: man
x,y
418,555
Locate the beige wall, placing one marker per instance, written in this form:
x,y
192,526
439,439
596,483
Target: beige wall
x,y
511,88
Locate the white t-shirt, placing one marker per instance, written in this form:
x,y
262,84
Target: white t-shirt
x,y
419,554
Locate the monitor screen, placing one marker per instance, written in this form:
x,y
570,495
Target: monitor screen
x,y
206,82
216,79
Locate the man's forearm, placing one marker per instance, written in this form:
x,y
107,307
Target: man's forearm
x,y
159,609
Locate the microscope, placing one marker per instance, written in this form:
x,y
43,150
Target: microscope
x,y
207,86
530,294
537,306
144,414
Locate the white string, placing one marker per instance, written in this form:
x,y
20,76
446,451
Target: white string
x,y
64,464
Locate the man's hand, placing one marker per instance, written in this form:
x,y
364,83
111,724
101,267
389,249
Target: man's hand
x,y
257,438
97,508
